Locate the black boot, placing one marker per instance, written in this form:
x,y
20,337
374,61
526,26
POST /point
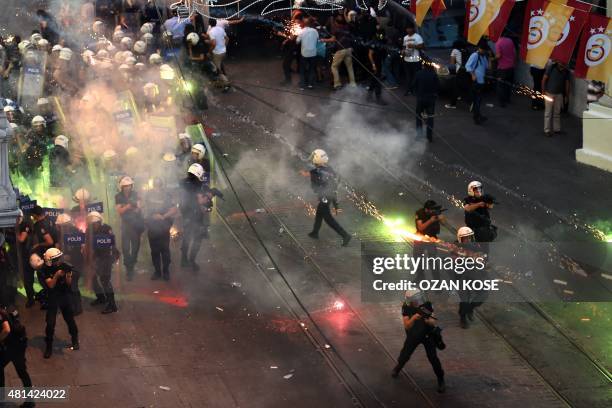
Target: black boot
x,y
111,306
48,349
156,275
100,300
396,372
75,343
441,386
346,239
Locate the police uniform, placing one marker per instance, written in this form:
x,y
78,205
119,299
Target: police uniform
x,y
479,221
24,250
205,163
59,297
59,160
323,180
32,159
420,333
132,226
42,228
13,350
73,255
103,258
469,300
196,217
159,202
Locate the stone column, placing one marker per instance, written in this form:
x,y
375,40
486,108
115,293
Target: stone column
x,y
8,200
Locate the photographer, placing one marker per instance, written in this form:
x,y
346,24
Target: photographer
x,y
477,217
420,326
58,278
427,222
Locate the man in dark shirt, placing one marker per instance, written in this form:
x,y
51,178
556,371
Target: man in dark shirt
x,y
555,84
14,344
420,326
426,87
24,249
58,279
376,55
427,222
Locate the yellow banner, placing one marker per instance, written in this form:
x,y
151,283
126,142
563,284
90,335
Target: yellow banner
x,y
545,28
422,7
598,49
482,12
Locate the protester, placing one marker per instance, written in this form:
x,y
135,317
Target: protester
x,y
307,39
413,44
477,66
555,84
505,55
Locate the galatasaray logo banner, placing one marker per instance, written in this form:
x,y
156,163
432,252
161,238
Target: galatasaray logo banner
x,y
543,27
569,36
593,61
481,13
420,8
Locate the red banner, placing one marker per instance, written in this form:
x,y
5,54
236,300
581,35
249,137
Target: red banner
x,y
496,28
569,37
593,61
438,7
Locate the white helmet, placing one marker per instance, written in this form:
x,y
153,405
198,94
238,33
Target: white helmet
x,y
87,55
51,254
23,46
148,38
155,59
169,157
38,121
94,216
147,28
118,36
182,136
9,108
464,232
36,37
140,47
197,170
36,262
61,140
111,48
103,54
98,26
42,44
81,195
127,42
65,54
130,61
62,219
472,186
56,48
150,89
131,151
140,66
42,101
199,149
319,157
124,67
109,154
166,72
193,38
126,181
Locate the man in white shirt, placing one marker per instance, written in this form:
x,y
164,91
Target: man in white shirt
x,y
413,43
308,39
218,42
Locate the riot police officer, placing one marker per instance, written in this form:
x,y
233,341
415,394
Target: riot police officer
x,y
59,162
198,155
71,245
35,147
420,327
469,299
160,212
103,256
127,204
24,249
13,345
58,278
195,206
477,217
324,183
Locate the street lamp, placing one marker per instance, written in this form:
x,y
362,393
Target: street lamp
x,y
8,199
